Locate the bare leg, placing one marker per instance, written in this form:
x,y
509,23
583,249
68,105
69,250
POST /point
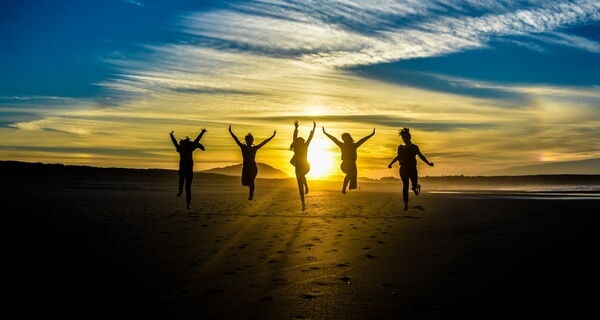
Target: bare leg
x,y
300,190
405,182
346,181
251,191
181,181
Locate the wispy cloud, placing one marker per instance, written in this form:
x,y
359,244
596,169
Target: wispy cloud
x,y
571,41
348,33
265,39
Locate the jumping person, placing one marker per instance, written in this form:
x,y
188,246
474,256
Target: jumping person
x,y
349,156
249,168
300,160
186,147
407,154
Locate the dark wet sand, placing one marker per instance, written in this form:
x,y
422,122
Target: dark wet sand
x,y
132,250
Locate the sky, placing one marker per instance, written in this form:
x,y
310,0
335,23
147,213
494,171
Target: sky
x,y
482,85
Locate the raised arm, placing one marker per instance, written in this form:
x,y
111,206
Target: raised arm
x,y
312,133
334,139
295,131
200,135
361,141
266,140
235,138
174,140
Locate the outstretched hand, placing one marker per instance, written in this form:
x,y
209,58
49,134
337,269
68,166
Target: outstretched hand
x,y
171,132
204,130
296,123
274,132
323,129
373,131
389,166
431,164
314,125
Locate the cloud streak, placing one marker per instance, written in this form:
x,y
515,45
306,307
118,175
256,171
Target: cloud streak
x,y
345,33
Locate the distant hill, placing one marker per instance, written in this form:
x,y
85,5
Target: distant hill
x,y
589,166
15,172
265,171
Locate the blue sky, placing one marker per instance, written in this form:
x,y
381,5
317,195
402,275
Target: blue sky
x,y
483,85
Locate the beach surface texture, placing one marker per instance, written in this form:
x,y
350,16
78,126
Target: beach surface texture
x,y
84,246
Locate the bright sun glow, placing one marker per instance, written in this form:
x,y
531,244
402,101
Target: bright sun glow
x,y
321,158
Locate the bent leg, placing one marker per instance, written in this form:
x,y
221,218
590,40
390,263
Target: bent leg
x,y
301,171
352,175
414,178
346,181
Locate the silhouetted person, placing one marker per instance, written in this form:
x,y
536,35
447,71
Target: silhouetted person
x,y
186,147
300,160
249,168
349,156
407,157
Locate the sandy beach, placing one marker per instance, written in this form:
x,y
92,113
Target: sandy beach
x,y
130,248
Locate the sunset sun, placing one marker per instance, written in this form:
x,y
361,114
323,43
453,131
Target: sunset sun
x,y
322,160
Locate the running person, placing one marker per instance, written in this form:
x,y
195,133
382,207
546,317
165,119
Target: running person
x,y
407,157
